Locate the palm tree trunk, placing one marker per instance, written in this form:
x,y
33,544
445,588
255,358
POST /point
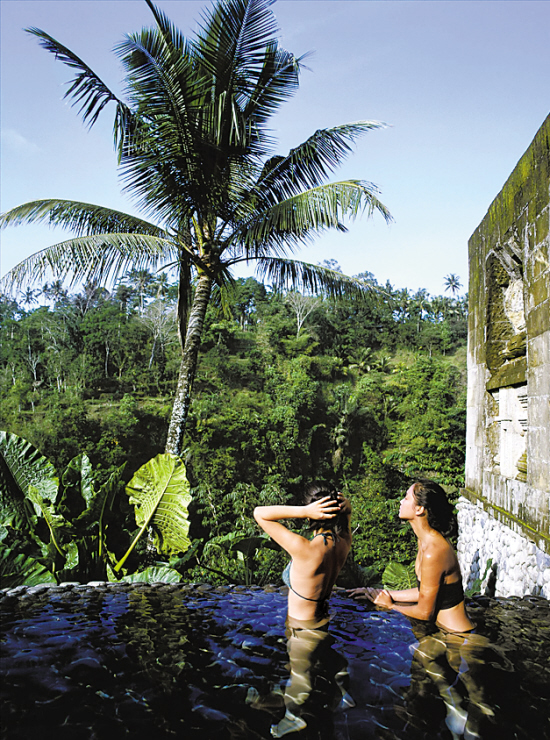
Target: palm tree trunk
x,y
188,368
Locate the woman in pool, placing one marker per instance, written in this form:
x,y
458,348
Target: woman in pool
x,y
316,562
310,575
439,596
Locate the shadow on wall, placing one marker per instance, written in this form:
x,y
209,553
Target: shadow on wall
x,y
476,579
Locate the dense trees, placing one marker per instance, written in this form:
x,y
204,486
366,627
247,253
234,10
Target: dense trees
x,y
366,394
196,153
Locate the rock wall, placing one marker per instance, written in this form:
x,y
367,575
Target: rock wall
x,y
505,507
503,562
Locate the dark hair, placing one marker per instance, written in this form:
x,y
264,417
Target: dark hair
x,y
338,524
433,498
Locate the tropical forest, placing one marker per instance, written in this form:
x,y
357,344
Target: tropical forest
x,y
290,388
151,397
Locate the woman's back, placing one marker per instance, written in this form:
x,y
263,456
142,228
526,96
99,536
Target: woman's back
x,y
313,573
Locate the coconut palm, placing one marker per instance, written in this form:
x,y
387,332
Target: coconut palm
x,y
452,283
195,152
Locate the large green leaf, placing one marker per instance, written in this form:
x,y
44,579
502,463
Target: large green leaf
x,y
18,569
78,489
160,494
155,574
25,465
22,465
56,523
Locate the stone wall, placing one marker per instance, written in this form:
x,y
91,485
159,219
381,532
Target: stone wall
x,y
506,563
504,509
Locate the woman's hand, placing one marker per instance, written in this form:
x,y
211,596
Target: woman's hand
x,y
324,508
378,596
358,593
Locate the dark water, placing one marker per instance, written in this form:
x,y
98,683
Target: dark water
x,y
196,663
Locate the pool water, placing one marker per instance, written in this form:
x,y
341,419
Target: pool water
x,y
199,663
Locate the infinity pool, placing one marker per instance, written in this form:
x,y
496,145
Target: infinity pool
x,y
196,662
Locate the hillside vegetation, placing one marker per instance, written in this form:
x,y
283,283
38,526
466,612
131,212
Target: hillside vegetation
x,y
289,388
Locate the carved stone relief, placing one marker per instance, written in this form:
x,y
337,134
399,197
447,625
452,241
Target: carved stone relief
x,y
509,453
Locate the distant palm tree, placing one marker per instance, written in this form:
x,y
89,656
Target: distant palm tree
x,y
29,296
54,291
452,283
141,280
195,150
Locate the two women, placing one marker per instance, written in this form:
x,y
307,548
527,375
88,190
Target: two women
x,y
438,596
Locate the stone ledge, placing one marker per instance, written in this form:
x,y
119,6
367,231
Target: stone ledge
x,y
541,540
513,373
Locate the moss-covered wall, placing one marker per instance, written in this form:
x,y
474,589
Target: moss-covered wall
x,y
508,435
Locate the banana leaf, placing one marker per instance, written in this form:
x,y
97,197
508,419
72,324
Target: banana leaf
x,y
78,487
47,511
399,577
155,574
22,465
159,492
18,569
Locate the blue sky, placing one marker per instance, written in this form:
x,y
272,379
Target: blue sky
x,y
463,84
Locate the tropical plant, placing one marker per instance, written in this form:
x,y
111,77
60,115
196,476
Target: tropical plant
x,y
238,555
452,283
196,153
160,494
399,577
60,525
69,529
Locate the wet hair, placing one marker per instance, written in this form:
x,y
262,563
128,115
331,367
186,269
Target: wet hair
x,y
433,498
338,524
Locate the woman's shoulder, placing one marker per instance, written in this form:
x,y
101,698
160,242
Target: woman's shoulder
x,y
436,547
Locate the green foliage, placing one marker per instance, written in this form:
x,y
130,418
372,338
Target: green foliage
x,y
399,577
22,466
154,574
70,530
160,494
359,398
475,588
18,569
427,422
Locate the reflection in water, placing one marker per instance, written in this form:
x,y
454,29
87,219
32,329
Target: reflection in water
x,y
456,665
318,681
168,661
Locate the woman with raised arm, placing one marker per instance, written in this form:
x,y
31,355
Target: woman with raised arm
x,y
310,576
439,596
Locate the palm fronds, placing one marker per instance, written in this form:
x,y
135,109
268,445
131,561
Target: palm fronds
x,y
100,257
86,89
314,279
82,218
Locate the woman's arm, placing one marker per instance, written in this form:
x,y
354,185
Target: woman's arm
x,y
432,576
409,595
268,519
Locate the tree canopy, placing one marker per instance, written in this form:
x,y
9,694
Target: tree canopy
x,y
196,153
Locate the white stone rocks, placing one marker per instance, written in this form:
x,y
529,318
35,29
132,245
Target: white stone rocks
x,y
521,567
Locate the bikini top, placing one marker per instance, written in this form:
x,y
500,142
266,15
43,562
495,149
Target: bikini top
x,y
286,571
450,594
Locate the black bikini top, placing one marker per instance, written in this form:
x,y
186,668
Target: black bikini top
x,y
450,594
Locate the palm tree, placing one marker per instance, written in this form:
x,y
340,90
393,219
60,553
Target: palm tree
x,y
452,283
195,152
29,296
141,280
